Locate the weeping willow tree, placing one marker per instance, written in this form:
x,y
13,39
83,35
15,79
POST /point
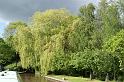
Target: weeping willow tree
x,y
46,29
23,41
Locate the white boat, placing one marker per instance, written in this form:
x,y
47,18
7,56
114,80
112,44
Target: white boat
x,y
9,76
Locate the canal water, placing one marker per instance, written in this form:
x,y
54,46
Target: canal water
x,y
32,78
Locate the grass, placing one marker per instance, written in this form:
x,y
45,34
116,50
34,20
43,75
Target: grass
x,y
74,79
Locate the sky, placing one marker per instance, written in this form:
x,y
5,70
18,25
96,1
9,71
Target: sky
x,y
12,10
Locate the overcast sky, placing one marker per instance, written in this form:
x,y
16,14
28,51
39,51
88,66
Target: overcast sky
x,y
11,10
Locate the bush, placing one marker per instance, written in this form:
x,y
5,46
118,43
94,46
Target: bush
x,y
14,67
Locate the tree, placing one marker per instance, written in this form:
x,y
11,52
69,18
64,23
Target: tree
x,y
11,29
10,32
42,39
115,46
7,54
24,45
109,18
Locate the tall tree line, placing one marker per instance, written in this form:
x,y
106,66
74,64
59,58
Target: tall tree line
x,y
90,44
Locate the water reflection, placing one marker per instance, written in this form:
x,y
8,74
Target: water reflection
x,y
32,78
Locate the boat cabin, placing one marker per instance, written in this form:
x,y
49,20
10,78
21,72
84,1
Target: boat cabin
x,y
9,76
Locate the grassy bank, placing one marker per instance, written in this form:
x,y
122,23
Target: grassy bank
x,y
74,79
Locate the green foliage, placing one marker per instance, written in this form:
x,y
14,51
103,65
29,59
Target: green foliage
x,y
109,18
13,66
24,45
55,40
47,32
87,12
96,60
41,40
7,54
11,30
116,47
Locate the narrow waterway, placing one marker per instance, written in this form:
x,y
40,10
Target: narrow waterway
x,y
32,78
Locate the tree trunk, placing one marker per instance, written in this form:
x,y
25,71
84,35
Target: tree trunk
x,y
16,59
114,75
37,73
91,75
107,78
114,70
